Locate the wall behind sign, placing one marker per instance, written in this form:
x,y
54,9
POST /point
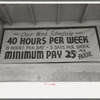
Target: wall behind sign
x,y
50,72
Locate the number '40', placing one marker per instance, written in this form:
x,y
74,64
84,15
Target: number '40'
x,y
12,40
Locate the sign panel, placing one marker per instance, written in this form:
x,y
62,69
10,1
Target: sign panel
x,y
45,45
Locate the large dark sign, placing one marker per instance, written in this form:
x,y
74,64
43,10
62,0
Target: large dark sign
x,y
67,44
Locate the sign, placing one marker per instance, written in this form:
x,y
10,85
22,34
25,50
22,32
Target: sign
x,y
50,45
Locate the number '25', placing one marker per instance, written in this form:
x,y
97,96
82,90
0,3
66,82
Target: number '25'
x,y
70,54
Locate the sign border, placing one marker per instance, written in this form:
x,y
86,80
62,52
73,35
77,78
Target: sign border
x,y
44,28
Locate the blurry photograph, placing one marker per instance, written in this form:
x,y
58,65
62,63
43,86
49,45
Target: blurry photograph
x,y
50,42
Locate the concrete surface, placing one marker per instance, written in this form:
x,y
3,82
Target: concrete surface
x,y
50,72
